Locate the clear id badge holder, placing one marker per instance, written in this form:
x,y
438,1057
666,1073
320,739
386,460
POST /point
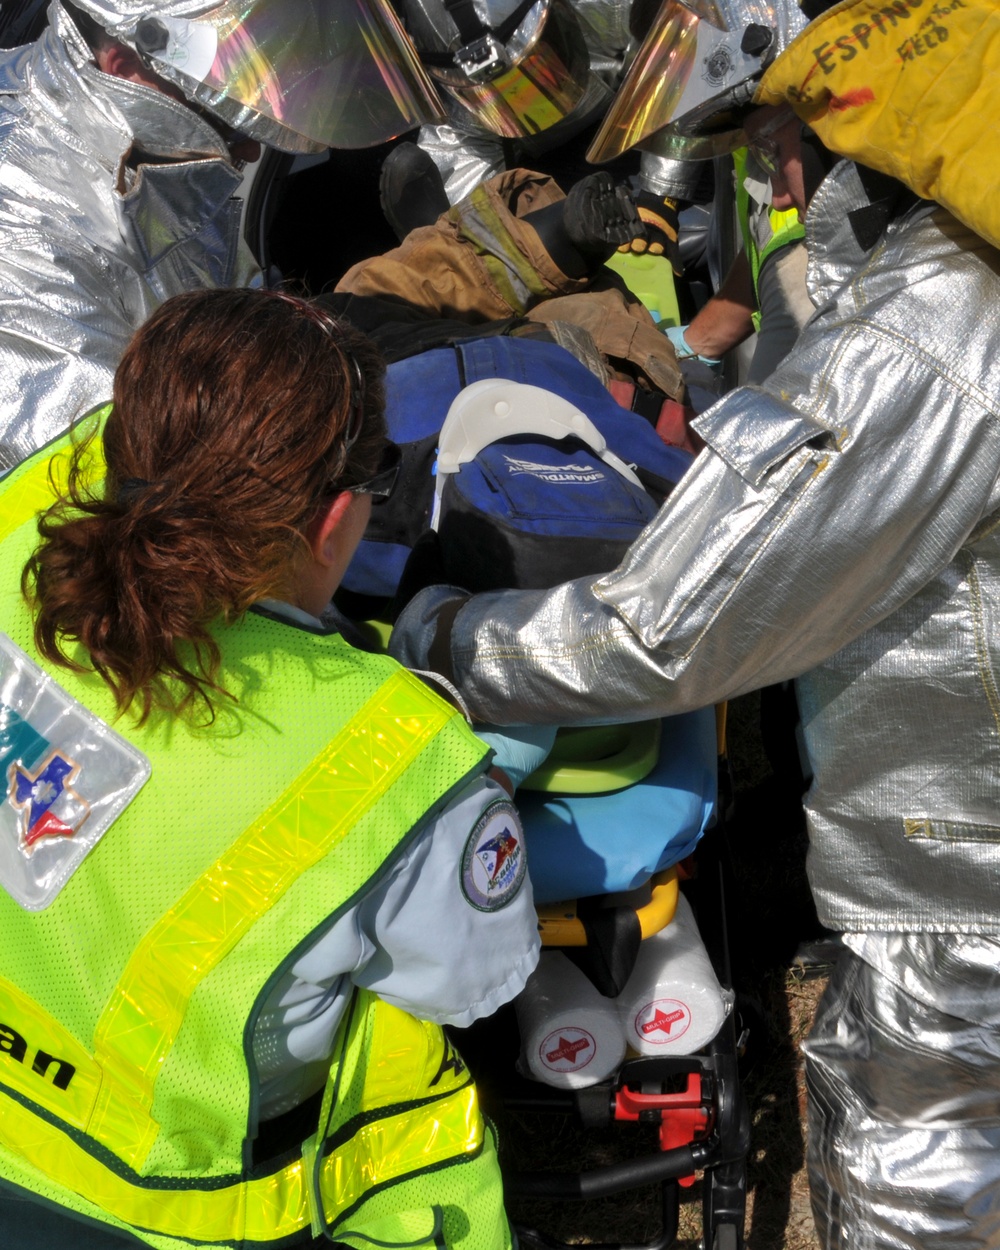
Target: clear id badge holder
x,y
67,777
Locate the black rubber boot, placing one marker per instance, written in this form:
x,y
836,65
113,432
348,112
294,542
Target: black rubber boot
x,y
584,229
411,190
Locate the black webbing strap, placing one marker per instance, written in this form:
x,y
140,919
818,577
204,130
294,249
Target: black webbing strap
x,y
471,27
613,937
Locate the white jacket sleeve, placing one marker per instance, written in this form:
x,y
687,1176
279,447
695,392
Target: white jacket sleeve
x,y
448,934
452,934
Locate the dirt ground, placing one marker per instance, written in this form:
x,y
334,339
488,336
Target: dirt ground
x,y
770,913
778,1212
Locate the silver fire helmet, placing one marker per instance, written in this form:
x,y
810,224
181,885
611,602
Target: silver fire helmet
x,y
693,79
520,66
299,75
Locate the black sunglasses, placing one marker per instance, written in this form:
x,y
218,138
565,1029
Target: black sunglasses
x,y
355,419
383,482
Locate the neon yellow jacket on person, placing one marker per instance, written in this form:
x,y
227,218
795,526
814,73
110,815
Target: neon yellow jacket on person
x,y
763,232
127,1005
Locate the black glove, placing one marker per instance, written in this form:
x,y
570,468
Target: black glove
x,y
658,236
599,216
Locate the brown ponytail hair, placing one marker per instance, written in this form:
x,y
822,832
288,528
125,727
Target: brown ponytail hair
x,y
232,418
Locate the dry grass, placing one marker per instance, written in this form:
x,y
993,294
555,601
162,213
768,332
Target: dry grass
x,y
778,1212
769,915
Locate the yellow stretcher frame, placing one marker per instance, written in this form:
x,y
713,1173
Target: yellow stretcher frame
x,y
559,924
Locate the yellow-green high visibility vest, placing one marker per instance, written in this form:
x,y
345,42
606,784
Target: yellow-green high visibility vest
x,y
127,1006
780,228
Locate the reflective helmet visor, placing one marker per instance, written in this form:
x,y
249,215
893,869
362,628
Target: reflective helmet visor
x,y
688,88
299,75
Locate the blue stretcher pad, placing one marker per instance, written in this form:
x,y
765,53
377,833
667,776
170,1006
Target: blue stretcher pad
x,y
581,845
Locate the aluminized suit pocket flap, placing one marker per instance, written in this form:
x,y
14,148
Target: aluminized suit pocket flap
x,y
753,431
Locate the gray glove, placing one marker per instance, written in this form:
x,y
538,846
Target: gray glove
x,y
416,626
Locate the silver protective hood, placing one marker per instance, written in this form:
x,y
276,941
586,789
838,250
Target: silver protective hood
x,y
694,76
92,240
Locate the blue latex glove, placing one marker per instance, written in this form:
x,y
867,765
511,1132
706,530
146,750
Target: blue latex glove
x,y
684,351
519,749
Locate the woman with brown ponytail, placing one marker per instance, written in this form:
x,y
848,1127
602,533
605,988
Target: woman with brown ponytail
x,y
247,870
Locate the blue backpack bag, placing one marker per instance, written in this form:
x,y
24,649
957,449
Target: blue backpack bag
x,y
532,474
529,507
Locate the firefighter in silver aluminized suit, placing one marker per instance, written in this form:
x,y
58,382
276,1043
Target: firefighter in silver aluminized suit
x,y
533,71
120,158
841,528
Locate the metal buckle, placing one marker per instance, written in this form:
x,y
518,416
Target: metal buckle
x,y
483,59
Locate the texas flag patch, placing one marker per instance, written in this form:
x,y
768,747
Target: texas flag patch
x,y
67,775
49,806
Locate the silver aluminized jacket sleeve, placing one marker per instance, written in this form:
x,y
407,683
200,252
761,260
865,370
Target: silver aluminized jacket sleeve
x,y
842,528
787,540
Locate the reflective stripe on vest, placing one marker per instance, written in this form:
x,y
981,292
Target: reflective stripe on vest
x,y
83,1121
784,227
145,1012
386,1059
383,1133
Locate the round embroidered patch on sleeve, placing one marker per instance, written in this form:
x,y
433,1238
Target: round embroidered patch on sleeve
x,y
493,862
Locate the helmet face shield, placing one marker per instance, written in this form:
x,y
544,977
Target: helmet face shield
x,y
541,89
299,75
520,68
689,86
